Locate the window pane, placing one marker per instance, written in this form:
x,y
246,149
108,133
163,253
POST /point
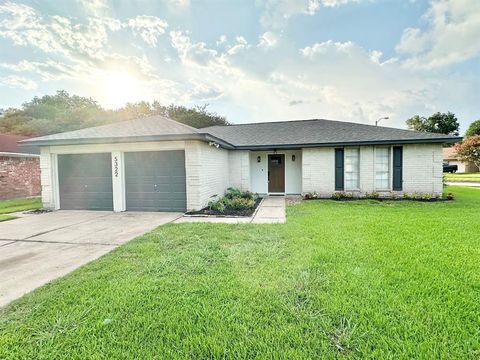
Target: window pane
x,y
352,169
382,168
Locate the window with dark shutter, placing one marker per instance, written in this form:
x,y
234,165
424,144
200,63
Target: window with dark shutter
x,y
397,168
339,169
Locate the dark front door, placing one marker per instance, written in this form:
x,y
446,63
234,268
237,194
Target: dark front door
x,y
276,173
85,182
155,181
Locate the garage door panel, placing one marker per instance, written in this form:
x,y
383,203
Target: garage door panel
x,y
85,181
155,181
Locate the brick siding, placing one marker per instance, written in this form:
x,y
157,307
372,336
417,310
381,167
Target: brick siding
x,y
19,177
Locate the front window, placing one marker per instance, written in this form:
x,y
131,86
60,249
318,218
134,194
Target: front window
x,y
352,169
382,168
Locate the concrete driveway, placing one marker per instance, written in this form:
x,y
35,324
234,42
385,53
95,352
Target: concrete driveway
x,y
36,249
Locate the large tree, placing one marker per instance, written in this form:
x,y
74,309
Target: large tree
x,y
469,150
473,129
52,113
64,112
440,123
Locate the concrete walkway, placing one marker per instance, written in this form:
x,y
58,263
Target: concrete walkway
x,y
271,211
36,249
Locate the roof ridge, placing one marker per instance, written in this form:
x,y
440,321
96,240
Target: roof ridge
x,y
329,120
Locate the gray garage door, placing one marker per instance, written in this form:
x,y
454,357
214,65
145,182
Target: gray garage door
x,y
155,181
85,182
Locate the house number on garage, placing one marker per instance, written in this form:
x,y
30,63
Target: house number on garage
x,y
115,166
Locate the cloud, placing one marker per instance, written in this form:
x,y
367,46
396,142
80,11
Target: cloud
x,y
241,44
277,12
327,47
180,5
204,92
330,79
192,53
94,7
451,35
149,28
267,39
14,81
24,26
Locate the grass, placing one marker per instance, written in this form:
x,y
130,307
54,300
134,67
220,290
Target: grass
x,y
14,205
23,204
340,280
463,177
6,217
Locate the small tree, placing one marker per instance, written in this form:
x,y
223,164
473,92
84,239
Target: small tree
x,y
469,150
439,123
473,129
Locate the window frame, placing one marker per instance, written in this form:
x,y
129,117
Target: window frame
x,y
345,149
390,169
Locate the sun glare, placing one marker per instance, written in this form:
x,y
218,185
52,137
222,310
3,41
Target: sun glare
x,y
118,88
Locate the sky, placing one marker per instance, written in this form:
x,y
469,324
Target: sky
x,y
252,61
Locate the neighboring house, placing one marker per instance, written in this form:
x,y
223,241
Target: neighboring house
x,y
157,164
19,168
450,157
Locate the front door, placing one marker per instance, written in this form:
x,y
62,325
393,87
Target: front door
x,y
276,173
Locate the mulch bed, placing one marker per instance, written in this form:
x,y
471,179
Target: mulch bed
x,y
383,199
37,211
228,211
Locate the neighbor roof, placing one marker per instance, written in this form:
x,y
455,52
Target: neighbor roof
x,y
268,135
9,144
449,153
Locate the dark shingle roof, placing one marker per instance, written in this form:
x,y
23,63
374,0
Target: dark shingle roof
x,y
317,132
143,129
291,134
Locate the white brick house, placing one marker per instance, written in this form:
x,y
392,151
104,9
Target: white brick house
x,y
157,164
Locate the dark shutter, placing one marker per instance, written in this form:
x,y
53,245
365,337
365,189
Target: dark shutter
x,y
397,168
339,169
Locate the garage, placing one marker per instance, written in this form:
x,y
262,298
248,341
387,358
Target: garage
x,y
85,181
155,181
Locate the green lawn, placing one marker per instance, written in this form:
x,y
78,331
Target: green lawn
x,y
341,279
468,177
14,205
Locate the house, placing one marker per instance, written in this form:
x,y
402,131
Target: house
x,y
450,157
157,164
19,168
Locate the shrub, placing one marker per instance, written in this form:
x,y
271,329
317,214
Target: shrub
x,y
217,205
426,197
307,196
338,195
372,195
241,203
234,199
233,193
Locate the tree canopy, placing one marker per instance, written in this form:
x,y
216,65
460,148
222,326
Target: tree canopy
x,y
440,123
469,150
473,129
64,112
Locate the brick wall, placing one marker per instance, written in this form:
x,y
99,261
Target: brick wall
x,y
422,169
207,173
239,169
19,177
